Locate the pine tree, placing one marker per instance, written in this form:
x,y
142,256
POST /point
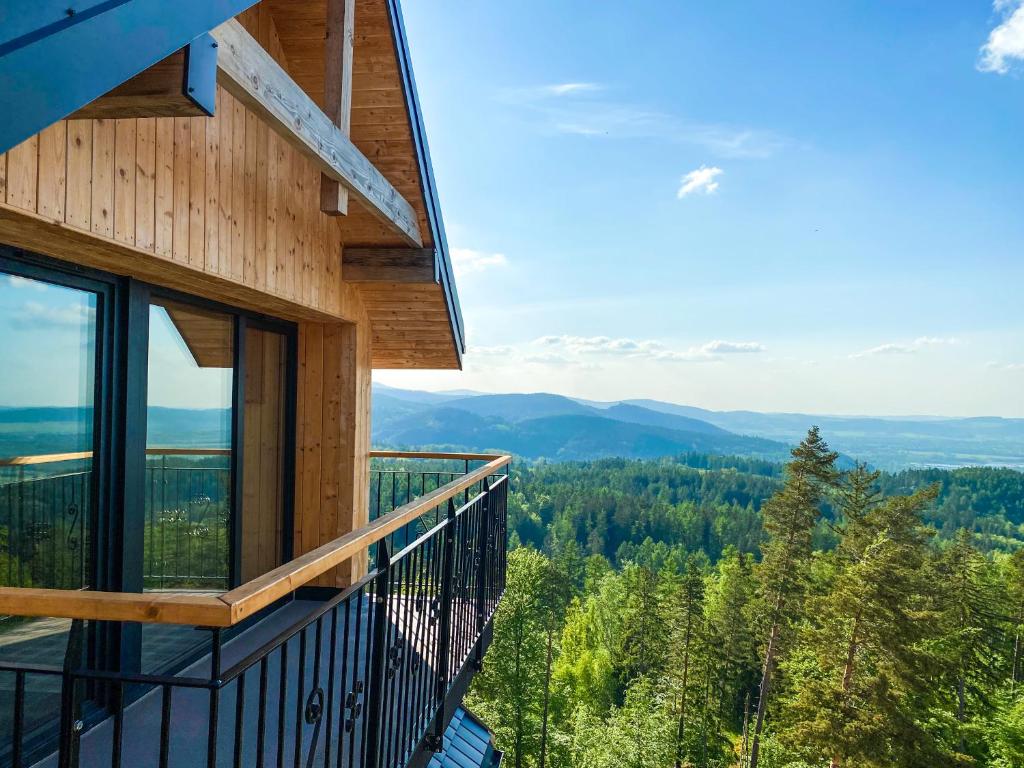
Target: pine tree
x,y
505,692
686,622
644,629
858,671
555,593
790,516
972,626
1015,600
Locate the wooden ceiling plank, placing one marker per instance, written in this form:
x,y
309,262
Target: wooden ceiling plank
x,y
389,265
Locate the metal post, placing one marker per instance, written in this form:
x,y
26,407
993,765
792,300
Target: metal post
x,y
483,553
215,670
374,712
70,704
444,631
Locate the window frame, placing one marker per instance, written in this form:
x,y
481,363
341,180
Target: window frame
x,y
120,428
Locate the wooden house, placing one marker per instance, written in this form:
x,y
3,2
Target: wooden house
x,y
217,217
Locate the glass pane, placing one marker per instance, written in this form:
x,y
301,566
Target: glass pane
x,y
47,396
263,453
188,463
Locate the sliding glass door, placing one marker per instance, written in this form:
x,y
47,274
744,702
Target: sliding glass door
x,y
49,393
146,444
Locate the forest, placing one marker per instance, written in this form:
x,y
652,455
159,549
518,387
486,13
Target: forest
x,y
712,611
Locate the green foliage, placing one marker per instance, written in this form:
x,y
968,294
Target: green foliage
x,y
655,586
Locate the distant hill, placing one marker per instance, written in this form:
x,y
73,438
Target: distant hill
x,y
551,426
890,443
511,421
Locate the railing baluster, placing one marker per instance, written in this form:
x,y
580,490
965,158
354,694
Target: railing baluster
x,y
261,721
373,716
115,752
299,691
69,722
482,569
214,726
329,713
19,718
281,705
165,725
239,718
445,625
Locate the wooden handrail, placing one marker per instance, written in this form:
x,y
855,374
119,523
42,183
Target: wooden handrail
x,y
431,455
52,458
230,608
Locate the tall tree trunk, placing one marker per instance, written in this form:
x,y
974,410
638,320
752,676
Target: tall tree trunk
x,y
763,691
547,697
961,707
681,729
519,712
851,655
1017,649
746,733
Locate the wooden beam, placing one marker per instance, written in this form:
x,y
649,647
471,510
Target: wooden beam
x,y
182,85
387,265
338,91
249,74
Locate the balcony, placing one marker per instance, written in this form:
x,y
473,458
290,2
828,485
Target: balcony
x,y
289,672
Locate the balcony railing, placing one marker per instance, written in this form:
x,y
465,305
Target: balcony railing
x,y
362,677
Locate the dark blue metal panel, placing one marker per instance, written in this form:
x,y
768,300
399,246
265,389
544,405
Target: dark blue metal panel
x,y
201,73
61,56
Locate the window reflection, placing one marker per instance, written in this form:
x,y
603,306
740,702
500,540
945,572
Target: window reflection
x,y
47,398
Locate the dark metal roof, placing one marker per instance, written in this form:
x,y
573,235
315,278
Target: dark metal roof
x,y
467,744
442,264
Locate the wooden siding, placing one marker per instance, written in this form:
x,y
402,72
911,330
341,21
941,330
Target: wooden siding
x,y
190,191
263,453
332,462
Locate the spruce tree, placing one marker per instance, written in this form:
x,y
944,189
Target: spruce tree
x,y
790,516
686,622
858,671
972,626
644,629
506,691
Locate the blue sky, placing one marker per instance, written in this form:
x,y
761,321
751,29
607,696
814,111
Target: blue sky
x,y
798,206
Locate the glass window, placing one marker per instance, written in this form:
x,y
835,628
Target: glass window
x,y
47,399
188,448
188,531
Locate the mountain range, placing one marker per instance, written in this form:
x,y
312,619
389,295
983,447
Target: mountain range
x,y
555,427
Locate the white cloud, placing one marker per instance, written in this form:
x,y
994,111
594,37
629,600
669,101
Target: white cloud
x,y
1005,366
1006,42
565,89
904,348
700,180
34,314
598,115
572,347
16,281
467,261
732,347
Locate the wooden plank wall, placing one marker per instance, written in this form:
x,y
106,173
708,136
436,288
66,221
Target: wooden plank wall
x,y
332,461
263,452
225,196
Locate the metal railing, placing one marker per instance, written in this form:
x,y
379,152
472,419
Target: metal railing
x,y
363,679
400,477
